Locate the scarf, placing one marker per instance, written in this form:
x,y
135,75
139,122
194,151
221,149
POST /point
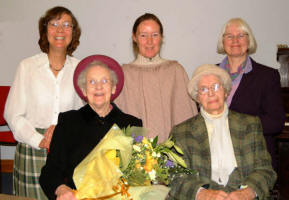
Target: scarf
x,y
245,68
223,159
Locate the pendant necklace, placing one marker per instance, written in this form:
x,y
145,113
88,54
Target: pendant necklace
x,y
57,70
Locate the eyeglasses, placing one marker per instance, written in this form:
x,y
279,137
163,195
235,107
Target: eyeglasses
x,y
205,90
93,83
65,25
231,37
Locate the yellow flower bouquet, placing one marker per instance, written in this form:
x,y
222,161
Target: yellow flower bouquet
x,y
127,165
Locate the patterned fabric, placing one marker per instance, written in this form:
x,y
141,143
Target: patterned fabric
x,y
244,68
240,69
253,160
27,167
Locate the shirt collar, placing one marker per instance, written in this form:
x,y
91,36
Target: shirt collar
x,y
141,60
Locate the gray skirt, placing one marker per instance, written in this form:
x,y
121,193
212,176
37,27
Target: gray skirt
x,y
28,162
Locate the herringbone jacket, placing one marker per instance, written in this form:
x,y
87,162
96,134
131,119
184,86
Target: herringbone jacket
x,y
253,169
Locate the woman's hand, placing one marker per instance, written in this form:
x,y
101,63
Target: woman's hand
x,y
205,194
64,192
45,142
243,194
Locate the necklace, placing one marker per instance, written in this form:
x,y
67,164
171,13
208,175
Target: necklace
x,y
54,69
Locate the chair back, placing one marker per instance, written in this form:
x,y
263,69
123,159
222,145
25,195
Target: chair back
x,y
6,137
4,90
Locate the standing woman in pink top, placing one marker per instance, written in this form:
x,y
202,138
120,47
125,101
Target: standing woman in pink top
x,y
154,88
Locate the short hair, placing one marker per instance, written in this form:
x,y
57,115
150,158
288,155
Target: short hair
x,y
209,69
139,20
81,81
56,13
244,27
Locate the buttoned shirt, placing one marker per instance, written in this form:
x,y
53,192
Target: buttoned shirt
x,y
37,96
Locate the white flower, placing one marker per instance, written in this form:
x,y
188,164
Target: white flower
x,y
154,154
118,170
158,155
152,175
151,140
136,148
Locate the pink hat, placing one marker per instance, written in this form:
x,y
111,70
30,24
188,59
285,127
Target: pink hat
x,y
111,63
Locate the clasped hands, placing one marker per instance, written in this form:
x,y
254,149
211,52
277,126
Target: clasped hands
x,y
242,194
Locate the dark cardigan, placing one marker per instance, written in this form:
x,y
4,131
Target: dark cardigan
x,y
259,94
75,135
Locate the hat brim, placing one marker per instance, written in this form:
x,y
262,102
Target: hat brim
x,y
208,69
111,63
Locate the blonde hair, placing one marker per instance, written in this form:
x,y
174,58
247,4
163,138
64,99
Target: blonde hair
x,y
242,26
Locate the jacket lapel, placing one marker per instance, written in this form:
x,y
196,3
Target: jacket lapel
x,y
237,136
201,135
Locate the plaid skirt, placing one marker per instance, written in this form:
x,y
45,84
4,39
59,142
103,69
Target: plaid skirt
x,y
28,162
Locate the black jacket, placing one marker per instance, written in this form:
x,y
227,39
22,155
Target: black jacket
x,y
76,134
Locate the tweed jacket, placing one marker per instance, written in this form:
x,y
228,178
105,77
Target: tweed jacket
x,y
253,160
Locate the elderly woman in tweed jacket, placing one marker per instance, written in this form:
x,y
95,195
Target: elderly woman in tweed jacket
x,y
225,148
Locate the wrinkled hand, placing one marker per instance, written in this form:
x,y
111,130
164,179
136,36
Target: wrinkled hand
x,y
205,194
45,142
243,194
64,192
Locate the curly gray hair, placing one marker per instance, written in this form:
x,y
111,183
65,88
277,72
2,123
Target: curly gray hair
x,y
81,81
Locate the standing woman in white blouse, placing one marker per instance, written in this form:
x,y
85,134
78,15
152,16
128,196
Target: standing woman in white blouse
x,y
43,87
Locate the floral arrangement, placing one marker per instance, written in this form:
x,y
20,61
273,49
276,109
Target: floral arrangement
x,y
127,165
153,163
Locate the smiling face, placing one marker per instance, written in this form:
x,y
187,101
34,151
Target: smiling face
x,y
212,101
99,88
59,37
148,38
235,41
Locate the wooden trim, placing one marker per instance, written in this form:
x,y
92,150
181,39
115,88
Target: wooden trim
x,y
6,166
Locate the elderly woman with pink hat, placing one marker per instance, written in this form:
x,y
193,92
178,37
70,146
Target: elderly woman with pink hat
x,y
226,149
98,80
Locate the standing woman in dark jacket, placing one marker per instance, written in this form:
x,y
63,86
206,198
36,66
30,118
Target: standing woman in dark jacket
x,y
255,88
99,81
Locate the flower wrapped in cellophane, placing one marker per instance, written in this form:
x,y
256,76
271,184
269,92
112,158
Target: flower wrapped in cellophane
x,y
127,165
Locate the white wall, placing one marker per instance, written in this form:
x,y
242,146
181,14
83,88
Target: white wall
x,y
191,29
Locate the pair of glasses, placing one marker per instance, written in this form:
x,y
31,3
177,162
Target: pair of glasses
x,y
231,37
205,90
64,25
93,83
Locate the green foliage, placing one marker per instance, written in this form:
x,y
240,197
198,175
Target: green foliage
x,y
149,160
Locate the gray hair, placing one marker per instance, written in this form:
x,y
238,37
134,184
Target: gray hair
x,y
209,69
244,27
81,81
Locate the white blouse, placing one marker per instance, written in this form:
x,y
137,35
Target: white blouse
x,y
37,96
